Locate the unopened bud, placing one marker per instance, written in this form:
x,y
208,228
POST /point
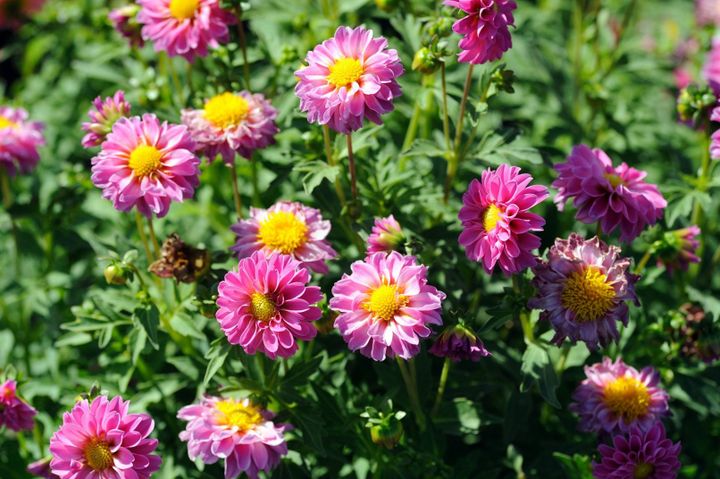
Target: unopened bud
x,y
425,61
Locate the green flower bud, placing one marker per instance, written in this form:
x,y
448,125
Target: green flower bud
x,y
115,274
695,102
441,27
425,61
387,5
387,434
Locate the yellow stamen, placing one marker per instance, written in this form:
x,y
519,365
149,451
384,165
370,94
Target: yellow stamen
x,y
98,455
145,160
643,470
385,301
282,231
491,217
226,110
262,307
234,413
6,123
627,397
614,179
344,72
183,9
588,294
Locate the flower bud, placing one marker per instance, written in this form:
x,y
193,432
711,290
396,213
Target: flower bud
x,y
116,274
677,249
441,27
694,103
386,235
425,61
459,343
181,261
124,19
387,434
387,5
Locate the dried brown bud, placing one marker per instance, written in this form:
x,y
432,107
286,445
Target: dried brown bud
x,y
181,261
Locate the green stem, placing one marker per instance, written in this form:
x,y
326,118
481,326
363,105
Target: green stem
x,y
7,203
331,162
441,385
598,230
412,394
525,323
351,162
243,47
410,134
446,119
143,237
236,190
644,261
454,156
153,238
702,178
254,177
173,75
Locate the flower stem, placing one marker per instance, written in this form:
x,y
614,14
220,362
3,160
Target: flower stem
x,y
446,119
410,134
243,47
153,238
412,394
644,261
525,323
236,190
703,179
441,385
454,156
254,177
331,162
7,203
351,162
143,236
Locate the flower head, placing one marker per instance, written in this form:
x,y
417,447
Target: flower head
x,y
711,68
459,343
267,305
680,249
715,137
41,468
639,454
232,123
615,397
99,439
19,140
184,27
496,220
386,306
617,197
386,235
485,31
124,20
286,228
103,115
13,13
146,164
582,289
707,12
15,413
349,77
181,261
238,431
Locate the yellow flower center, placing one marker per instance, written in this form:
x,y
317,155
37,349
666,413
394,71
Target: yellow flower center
x,y
262,307
6,123
98,455
491,216
145,160
385,301
588,294
643,470
614,179
226,110
627,397
283,231
234,413
183,9
344,72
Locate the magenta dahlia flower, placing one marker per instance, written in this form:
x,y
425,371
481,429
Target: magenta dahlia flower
x,y
146,164
100,440
232,123
386,306
459,343
15,413
715,137
19,140
639,454
386,235
613,196
41,468
238,431
616,397
184,28
124,20
496,220
485,29
287,228
582,289
682,246
707,12
267,305
349,77
711,68
103,115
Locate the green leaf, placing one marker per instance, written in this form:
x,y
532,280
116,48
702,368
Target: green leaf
x,y
576,466
538,369
184,324
314,173
149,319
709,303
185,366
6,344
216,356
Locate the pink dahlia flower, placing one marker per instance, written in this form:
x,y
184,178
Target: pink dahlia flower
x,y
459,343
267,305
41,468
707,12
386,306
582,290
616,397
184,27
349,77
715,137
287,228
711,69
100,440
124,20
146,164
386,235
614,196
103,115
496,220
19,140
639,455
681,249
237,431
232,123
15,413
485,29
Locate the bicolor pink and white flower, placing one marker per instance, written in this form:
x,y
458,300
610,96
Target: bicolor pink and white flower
x,y
288,228
124,20
236,431
186,28
386,306
232,123
349,77
15,414
616,197
485,29
103,115
19,141
386,235
146,164
616,397
583,289
497,222
101,440
267,305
